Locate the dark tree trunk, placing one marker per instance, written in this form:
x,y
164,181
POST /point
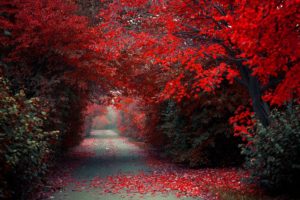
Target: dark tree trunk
x,y
260,107
252,83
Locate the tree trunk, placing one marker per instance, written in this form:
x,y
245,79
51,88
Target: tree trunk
x,y
260,107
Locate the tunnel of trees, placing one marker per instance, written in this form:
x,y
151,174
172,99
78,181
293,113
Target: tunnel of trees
x,y
208,84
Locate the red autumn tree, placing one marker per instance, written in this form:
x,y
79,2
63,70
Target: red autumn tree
x,y
203,43
51,52
250,42
130,39
47,41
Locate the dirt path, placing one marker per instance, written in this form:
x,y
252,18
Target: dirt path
x,y
105,155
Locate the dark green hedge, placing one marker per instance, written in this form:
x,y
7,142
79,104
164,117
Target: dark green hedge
x,y
274,155
25,146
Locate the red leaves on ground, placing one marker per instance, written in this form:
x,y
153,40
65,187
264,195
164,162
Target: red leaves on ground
x,y
164,178
183,182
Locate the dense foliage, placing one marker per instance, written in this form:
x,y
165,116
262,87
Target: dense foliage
x,y
274,152
182,73
26,146
45,46
199,135
195,133
199,45
40,48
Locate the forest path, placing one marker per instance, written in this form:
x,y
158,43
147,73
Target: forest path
x,y
105,153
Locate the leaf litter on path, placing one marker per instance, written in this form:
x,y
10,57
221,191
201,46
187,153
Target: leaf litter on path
x,y
162,179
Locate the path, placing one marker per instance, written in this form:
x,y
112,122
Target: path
x,y
105,154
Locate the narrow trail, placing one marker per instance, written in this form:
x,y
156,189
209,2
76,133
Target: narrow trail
x,y
107,166
105,155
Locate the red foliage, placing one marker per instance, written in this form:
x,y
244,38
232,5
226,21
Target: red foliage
x,y
232,35
52,36
188,183
163,179
130,119
199,45
149,51
166,178
162,49
243,123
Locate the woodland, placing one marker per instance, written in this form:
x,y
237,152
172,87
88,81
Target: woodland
x,y
204,84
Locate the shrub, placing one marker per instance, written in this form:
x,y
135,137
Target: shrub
x,y
199,134
273,155
24,144
194,132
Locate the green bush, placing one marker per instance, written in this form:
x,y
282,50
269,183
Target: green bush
x,y
273,155
199,134
24,144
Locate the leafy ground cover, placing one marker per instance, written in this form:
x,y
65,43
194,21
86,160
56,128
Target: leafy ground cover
x,y
108,166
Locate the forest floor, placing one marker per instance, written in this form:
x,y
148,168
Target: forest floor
x,y
107,166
